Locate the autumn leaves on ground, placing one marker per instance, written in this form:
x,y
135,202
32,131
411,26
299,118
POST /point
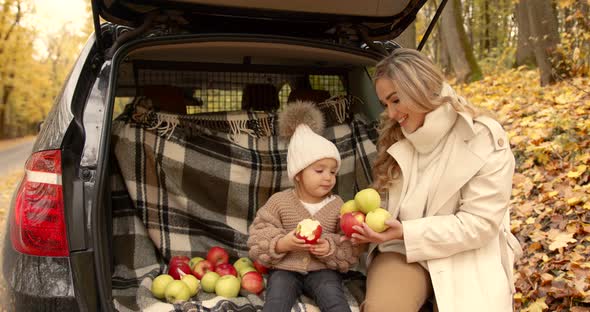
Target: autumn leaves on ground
x,y
549,129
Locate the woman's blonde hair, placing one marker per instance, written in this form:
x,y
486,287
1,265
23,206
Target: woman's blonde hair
x,y
419,84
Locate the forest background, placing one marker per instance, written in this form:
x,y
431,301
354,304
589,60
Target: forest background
x,y
528,61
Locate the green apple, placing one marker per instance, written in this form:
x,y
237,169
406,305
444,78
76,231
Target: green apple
x,y
228,286
242,263
192,282
348,206
159,285
245,270
209,280
194,261
367,200
376,219
177,291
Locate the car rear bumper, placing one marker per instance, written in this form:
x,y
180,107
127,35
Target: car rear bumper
x,y
37,283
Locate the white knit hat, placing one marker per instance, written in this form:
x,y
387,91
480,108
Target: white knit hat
x,y
306,145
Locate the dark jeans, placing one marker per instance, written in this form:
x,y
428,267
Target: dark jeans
x,y
324,286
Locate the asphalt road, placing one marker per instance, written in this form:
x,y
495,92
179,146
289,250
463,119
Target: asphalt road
x,y
14,157
12,160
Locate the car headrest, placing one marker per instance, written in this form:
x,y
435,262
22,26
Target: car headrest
x,y
309,95
260,97
170,98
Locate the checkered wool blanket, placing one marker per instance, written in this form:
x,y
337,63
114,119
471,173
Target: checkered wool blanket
x,y
180,187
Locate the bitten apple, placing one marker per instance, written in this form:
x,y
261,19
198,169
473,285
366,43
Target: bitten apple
x,y
202,267
309,230
348,206
348,220
225,269
376,219
178,268
253,282
217,255
367,200
260,267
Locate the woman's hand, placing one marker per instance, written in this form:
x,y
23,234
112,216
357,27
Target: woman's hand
x,y
290,242
367,235
321,248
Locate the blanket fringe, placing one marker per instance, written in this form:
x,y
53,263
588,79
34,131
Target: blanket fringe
x,y
254,124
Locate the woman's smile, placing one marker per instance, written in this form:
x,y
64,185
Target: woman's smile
x,y
398,110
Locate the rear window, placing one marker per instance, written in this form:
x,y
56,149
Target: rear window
x,y
194,89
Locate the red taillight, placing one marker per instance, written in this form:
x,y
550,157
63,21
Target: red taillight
x,y
38,226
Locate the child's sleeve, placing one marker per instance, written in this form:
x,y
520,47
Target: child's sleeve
x,y
265,232
342,255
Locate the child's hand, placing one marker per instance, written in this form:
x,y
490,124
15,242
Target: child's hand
x,y
321,248
290,242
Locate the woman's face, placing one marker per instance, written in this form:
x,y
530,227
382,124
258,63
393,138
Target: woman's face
x,y
397,110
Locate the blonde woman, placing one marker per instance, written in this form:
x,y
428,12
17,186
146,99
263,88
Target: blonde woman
x,y
447,172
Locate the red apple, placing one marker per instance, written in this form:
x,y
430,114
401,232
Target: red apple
x,y
217,255
260,267
177,269
202,267
226,269
253,282
180,259
309,230
350,219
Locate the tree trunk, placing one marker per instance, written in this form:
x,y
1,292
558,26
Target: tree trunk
x,y
444,57
543,26
524,47
7,90
460,51
485,50
7,76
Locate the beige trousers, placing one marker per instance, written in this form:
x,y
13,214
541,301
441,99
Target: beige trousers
x,y
395,285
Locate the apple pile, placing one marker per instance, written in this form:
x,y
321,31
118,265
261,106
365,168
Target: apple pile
x,y
213,274
364,208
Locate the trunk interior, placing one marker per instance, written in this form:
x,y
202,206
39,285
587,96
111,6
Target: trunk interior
x,y
195,151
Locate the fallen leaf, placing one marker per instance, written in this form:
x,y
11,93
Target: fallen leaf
x,y
561,240
538,306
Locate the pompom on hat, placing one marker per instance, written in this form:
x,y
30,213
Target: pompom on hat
x,y
302,121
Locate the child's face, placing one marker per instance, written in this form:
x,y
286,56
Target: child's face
x,y
317,180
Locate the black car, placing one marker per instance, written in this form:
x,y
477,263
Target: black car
x,y
162,140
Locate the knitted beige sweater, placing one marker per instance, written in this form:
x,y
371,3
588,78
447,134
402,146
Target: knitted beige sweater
x,y
279,216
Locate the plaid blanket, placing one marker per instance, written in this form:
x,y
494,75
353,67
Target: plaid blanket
x,y
179,188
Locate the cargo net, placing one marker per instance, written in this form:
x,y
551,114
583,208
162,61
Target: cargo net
x,y
214,91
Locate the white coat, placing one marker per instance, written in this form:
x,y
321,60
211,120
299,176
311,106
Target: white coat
x,y
465,236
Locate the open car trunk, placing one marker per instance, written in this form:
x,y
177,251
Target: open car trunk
x,y
345,20
196,151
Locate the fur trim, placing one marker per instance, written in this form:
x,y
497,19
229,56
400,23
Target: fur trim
x,y
297,113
